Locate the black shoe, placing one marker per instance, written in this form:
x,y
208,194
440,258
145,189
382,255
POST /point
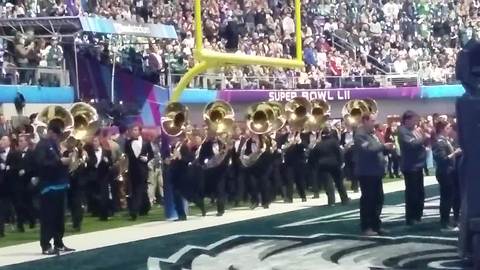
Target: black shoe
x,y
346,201
253,206
20,229
77,228
50,251
219,214
288,201
391,176
265,206
133,217
32,225
181,218
64,249
316,196
304,199
383,232
2,234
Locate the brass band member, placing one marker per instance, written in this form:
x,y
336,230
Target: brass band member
x,y
369,168
185,176
22,186
99,163
76,195
295,161
139,153
413,157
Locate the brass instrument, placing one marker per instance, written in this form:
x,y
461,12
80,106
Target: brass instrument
x,y
85,120
50,113
279,115
219,118
174,121
298,111
352,111
319,115
262,118
372,105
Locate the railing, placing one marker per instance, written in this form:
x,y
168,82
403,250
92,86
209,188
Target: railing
x,y
222,81
44,76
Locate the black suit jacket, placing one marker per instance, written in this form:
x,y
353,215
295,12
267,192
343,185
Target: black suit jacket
x,y
25,162
327,153
138,169
441,149
102,172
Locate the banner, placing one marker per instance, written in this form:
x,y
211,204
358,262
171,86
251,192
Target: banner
x,y
240,96
107,26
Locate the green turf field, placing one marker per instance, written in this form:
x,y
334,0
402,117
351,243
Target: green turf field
x,y
313,238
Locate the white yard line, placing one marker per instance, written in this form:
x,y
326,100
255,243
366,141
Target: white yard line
x,y
81,242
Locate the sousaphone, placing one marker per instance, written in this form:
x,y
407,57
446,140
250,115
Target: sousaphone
x,y
174,121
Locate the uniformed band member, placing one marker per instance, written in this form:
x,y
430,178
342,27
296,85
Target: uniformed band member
x,y
445,156
413,157
52,170
139,153
370,168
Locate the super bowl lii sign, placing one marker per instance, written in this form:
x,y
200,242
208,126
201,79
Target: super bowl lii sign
x,y
341,94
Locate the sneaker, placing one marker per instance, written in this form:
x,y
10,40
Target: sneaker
x,y
64,249
369,232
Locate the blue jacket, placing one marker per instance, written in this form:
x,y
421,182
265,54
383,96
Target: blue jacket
x,y
412,150
368,154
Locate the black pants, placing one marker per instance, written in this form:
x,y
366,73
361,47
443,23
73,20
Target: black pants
x,y
350,168
414,195
337,176
76,203
105,204
457,199
215,179
447,191
259,188
393,163
23,205
52,218
139,202
371,202
322,180
4,205
296,174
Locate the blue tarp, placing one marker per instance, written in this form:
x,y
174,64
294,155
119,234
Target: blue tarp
x,y
108,26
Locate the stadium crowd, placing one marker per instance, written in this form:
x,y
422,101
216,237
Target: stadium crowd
x,y
341,37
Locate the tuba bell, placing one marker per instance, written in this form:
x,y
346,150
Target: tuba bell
x,y
50,113
319,115
85,120
260,118
372,105
298,111
353,110
279,115
174,122
219,117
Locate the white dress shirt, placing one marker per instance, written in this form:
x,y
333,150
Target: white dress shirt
x,y
98,155
137,146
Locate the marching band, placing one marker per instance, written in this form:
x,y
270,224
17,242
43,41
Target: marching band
x,y
277,150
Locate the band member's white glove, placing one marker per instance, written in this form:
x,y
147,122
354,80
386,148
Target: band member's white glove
x,y
21,172
143,158
105,159
34,181
2,166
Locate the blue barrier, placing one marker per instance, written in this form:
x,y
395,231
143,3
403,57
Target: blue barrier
x,y
37,94
442,91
